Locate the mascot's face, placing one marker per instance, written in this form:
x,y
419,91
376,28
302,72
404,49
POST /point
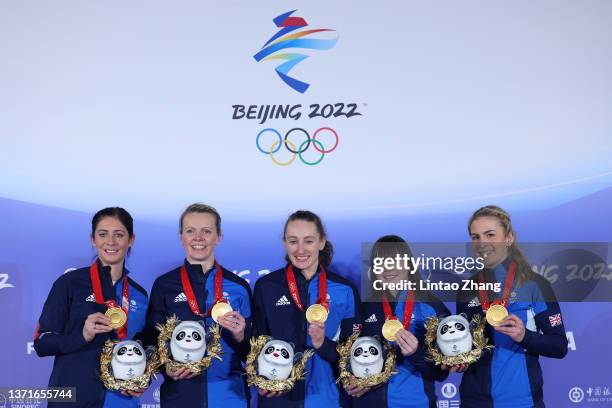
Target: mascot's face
x,y
366,357
453,335
188,343
129,360
276,360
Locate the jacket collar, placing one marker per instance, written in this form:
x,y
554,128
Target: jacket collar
x,y
195,271
105,272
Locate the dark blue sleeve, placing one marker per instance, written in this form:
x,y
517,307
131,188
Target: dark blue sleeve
x,y
53,337
258,315
419,359
552,341
348,324
156,313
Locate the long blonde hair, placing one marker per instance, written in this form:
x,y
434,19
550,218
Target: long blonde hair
x,y
514,252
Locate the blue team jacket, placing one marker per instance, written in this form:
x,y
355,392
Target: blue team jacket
x,y
60,334
276,315
413,385
510,376
223,383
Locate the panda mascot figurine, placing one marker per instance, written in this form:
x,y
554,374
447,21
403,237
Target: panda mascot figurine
x,y
275,361
366,357
453,335
129,360
188,343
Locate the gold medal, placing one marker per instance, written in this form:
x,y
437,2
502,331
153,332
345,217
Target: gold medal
x,y
496,314
219,309
390,329
117,317
316,313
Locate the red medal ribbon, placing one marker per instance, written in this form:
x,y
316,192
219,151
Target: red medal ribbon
x,y
408,306
484,298
191,299
125,303
293,289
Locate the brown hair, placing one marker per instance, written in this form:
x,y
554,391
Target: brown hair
x,y
201,208
389,246
514,252
327,253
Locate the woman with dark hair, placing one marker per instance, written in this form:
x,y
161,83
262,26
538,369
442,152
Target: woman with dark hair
x,y
196,291
413,385
310,306
88,306
524,319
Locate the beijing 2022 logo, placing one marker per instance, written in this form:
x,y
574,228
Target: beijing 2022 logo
x,y
286,143
288,37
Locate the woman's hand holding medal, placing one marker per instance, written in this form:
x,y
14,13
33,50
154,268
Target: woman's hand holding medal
x,y
235,323
512,326
316,331
94,324
407,342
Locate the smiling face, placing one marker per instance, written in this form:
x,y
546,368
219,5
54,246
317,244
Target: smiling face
x,y
490,240
111,240
199,237
303,243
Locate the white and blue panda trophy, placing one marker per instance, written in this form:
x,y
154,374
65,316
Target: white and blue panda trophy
x,y
127,366
366,357
366,361
454,336
188,344
129,360
275,361
454,340
273,365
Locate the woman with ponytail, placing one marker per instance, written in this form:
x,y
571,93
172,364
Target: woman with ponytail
x,y
310,306
523,319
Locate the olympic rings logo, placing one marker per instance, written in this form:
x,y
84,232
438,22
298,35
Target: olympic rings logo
x,y
297,151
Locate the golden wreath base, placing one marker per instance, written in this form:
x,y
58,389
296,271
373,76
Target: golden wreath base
x,y
134,384
348,379
297,372
213,348
479,343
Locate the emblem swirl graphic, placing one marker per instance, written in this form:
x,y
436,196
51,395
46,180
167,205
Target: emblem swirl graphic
x,y
288,37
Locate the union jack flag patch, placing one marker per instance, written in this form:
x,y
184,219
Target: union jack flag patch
x,y
555,320
356,327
